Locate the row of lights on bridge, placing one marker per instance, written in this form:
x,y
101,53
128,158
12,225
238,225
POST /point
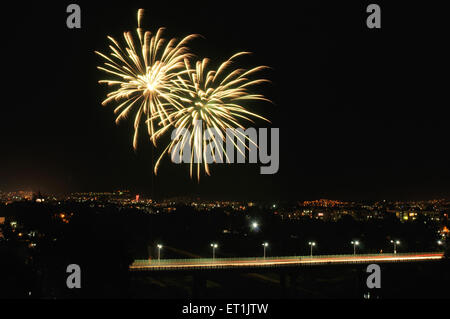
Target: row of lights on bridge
x,y
312,244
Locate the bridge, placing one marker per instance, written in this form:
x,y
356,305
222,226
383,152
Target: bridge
x,y
276,262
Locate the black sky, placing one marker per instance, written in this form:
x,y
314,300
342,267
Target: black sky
x,y
362,113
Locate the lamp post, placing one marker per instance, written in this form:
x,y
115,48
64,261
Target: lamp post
x,y
395,242
255,226
265,245
214,246
354,243
312,244
159,252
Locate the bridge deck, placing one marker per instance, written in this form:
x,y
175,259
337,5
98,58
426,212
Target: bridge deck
x,y
229,263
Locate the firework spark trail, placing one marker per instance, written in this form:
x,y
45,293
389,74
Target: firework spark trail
x,y
213,101
145,77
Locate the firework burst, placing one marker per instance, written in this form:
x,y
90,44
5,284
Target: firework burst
x,y
145,76
212,99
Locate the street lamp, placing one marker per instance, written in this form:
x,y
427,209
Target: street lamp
x,y
265,245
354,243
255,225
214,246
395,242
159,252
439,242
312,244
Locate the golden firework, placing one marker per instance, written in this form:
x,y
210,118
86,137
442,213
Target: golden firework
x,y
212,99
145,77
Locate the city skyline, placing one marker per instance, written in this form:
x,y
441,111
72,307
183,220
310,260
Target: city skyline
x,y
324,209
186,195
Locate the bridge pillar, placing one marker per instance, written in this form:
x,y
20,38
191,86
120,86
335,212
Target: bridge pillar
x,y
360,284
198,286
285,284
293,280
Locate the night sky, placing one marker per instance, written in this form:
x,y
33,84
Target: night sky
x,y
362,113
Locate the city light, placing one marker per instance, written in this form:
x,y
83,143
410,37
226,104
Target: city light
x,y
312,244
354,243
395,242
159,251
214,246
255,225
265,245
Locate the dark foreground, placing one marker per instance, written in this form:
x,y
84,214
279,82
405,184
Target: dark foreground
x,y
405,280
